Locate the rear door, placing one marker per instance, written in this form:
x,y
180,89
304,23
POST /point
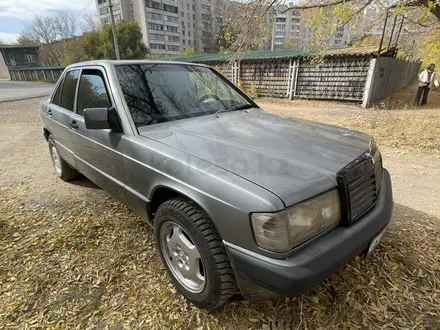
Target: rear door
x,y
97,151
58,114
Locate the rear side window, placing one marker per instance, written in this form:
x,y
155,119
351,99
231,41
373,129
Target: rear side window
x,y
92,92
69,87
56,97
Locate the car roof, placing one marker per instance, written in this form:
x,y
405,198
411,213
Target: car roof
x,y
128,62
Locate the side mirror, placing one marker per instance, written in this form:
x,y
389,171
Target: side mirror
x,y
102,118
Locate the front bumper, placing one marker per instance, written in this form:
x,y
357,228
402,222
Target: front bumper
x,y
260,275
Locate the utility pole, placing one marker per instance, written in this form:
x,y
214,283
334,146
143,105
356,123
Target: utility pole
x,y
114,31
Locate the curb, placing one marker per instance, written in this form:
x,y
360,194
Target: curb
x,y
20,98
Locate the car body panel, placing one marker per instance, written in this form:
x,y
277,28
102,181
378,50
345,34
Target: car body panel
x,y
293,158
226,197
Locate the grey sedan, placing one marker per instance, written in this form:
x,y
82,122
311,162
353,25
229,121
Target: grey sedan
x,y
240,200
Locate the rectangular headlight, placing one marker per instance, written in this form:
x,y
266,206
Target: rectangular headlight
x,y
280,232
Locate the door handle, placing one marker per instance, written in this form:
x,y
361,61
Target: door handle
x,y
73,124
49,113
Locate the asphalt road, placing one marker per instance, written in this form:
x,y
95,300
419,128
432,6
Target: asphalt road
x,y
17,90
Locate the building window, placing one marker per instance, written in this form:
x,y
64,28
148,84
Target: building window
x,y
295,20
182,14
281,19
173,38
173,48
105,20
280,26
183,41
183,32
100,2
206,17
189,33
103,11
118,17
194,25
183,24
156,36
295,28
117,7
153,4
187,6
157,46
154,26
154,16
194,16
171,19
194,7
189,42
188,24
170,9
205,7
30,58
171,28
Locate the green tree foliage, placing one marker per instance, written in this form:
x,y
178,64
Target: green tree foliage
x,y
130,41
189,52
370,41
289,44
429,50
98,44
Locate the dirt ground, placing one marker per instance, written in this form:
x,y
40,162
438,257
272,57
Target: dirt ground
x,y
73,257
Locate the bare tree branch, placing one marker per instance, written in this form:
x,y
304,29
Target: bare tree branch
x,y
357,12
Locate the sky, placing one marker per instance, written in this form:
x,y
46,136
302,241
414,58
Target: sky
x,y
15,15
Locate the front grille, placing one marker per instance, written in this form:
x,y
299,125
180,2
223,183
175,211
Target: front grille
x,y
359,184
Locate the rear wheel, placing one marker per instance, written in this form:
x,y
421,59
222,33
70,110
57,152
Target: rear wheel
x,y
193,253
62,169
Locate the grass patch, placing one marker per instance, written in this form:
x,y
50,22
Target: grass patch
x,y
417,131
97,267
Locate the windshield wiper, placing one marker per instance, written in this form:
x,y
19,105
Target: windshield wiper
x,y
234,107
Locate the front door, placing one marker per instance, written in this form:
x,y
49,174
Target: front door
x,y
97,151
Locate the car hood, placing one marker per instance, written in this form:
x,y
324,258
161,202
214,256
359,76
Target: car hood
x,y
293,158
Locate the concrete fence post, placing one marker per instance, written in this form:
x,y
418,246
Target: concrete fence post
x,y
36,74
44,74
53,77
369,83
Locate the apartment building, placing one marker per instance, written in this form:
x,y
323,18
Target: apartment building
x,y
288,27
169,27
122,10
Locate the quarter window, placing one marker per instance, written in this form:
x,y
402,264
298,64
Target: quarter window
x,y
56,97
92,92
69,88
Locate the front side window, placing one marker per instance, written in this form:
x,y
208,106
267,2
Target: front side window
x,y
158,93
92,92
69,88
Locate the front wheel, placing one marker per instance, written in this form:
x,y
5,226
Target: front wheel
x,y
193,253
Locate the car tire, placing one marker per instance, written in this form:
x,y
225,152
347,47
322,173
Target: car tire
x,y
62,169
193,253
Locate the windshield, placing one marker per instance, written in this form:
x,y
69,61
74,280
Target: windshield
x,y
157,93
